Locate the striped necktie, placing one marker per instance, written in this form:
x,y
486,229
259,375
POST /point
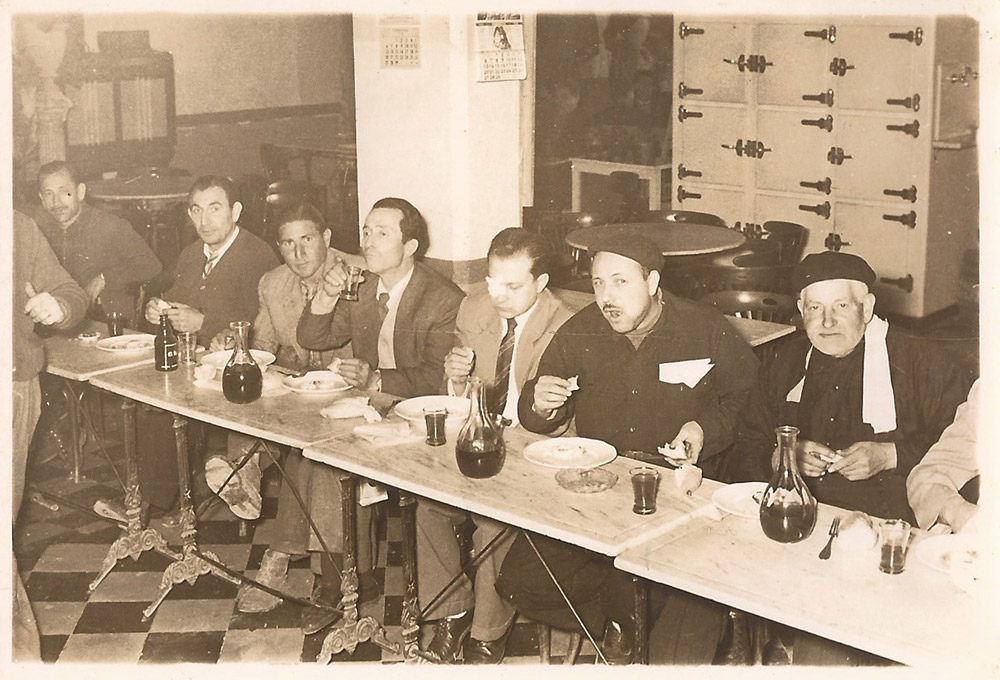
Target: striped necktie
x,y
210,263
504,359
382,307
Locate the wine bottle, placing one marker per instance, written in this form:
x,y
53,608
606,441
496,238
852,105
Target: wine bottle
x,y
165,347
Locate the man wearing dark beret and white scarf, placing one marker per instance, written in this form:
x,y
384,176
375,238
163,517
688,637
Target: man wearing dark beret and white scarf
x,y
868,400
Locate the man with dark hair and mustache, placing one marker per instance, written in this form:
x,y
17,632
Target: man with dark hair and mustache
x,y
623,351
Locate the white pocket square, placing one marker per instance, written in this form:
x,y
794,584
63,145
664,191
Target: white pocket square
x,y
688,372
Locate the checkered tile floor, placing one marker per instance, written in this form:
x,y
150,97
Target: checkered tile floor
x,y
59,553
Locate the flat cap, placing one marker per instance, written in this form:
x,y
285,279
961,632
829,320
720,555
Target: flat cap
x,y
830,265
638,249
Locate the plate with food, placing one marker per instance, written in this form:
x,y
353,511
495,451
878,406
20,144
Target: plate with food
x,y
317,382
742,500
413,409
570,452
220,359
135,342
586,480
945,552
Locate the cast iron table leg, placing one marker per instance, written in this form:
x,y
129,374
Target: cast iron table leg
x,y
189,566
641,621
73,406
136,539
351,631
411,610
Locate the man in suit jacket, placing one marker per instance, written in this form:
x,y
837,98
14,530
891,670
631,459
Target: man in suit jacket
x,y
400,330
500,336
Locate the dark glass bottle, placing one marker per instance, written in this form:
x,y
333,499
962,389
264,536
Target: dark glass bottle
x,y
787,508
480,451
241,378
165,347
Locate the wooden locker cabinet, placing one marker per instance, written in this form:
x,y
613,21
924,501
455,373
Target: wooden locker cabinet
x,y
862,129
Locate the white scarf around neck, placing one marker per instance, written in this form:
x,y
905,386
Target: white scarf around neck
x,y
878,402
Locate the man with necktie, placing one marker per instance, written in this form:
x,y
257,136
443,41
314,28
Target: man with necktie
x,y
400,330
500,335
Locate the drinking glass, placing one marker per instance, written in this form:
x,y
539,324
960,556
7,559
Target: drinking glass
x,y
645,481
350,292
895,537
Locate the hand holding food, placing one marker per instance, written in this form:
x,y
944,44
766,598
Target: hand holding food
x,y
551,392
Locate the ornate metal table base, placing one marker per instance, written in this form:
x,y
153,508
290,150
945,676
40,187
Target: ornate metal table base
x,y
351,631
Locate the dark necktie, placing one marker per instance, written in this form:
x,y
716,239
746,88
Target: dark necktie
x,y
383,307
504,358
210,263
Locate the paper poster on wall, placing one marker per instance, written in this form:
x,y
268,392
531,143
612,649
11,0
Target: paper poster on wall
x,y
399,37
499,47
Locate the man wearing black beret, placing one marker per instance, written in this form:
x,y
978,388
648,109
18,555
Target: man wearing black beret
x,y
868,402
639,369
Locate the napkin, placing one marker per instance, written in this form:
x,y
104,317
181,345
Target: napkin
x,y
688,372
351,407
387,434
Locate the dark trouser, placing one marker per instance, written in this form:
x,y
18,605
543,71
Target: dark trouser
x,y
597,590
157,452
687,630
25,407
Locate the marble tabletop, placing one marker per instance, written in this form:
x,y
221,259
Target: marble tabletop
x,y
918,617
523,494
284,417
68,356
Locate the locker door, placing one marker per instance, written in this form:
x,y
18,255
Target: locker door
x,y
700,51
884,68
700,141
880,158
800,64
729,204
798,151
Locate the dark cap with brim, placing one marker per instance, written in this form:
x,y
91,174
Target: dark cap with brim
x,y
830,265
637,249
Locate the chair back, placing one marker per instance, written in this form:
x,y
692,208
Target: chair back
x,y
772,278
553,226
790,237
754,304
753,253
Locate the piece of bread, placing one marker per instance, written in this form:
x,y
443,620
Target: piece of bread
x,y
857,532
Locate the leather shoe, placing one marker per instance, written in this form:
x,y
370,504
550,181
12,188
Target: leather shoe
x,y
448,637
617,645
485,652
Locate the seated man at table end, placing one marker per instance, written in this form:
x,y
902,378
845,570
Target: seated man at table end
x,y
214,283
943,487
624,351
516,312
868,402
102,252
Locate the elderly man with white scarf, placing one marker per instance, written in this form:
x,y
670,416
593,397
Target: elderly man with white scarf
x,y
869,401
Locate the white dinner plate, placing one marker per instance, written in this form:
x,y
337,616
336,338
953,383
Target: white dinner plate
x,y
317,382
135,342
940,552
413,409
738,499
570,452
220,359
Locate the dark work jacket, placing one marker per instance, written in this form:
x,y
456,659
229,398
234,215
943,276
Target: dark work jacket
x,y
927,389
621,399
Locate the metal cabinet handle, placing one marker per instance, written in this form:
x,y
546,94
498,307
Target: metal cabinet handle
x,y
821,209
829,33
836,156
683,114
822,97
683,90
912,129
904,282
822,123
916,36
682,195
909,102
909,219
685,30
909,194
840,67
738,147
740,63
823,185
834,242
684,173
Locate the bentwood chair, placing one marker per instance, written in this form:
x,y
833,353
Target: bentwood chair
x,y
553,226
753,304
790,238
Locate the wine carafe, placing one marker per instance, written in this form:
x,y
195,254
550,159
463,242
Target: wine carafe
x,y
241,378
787,509
480,450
